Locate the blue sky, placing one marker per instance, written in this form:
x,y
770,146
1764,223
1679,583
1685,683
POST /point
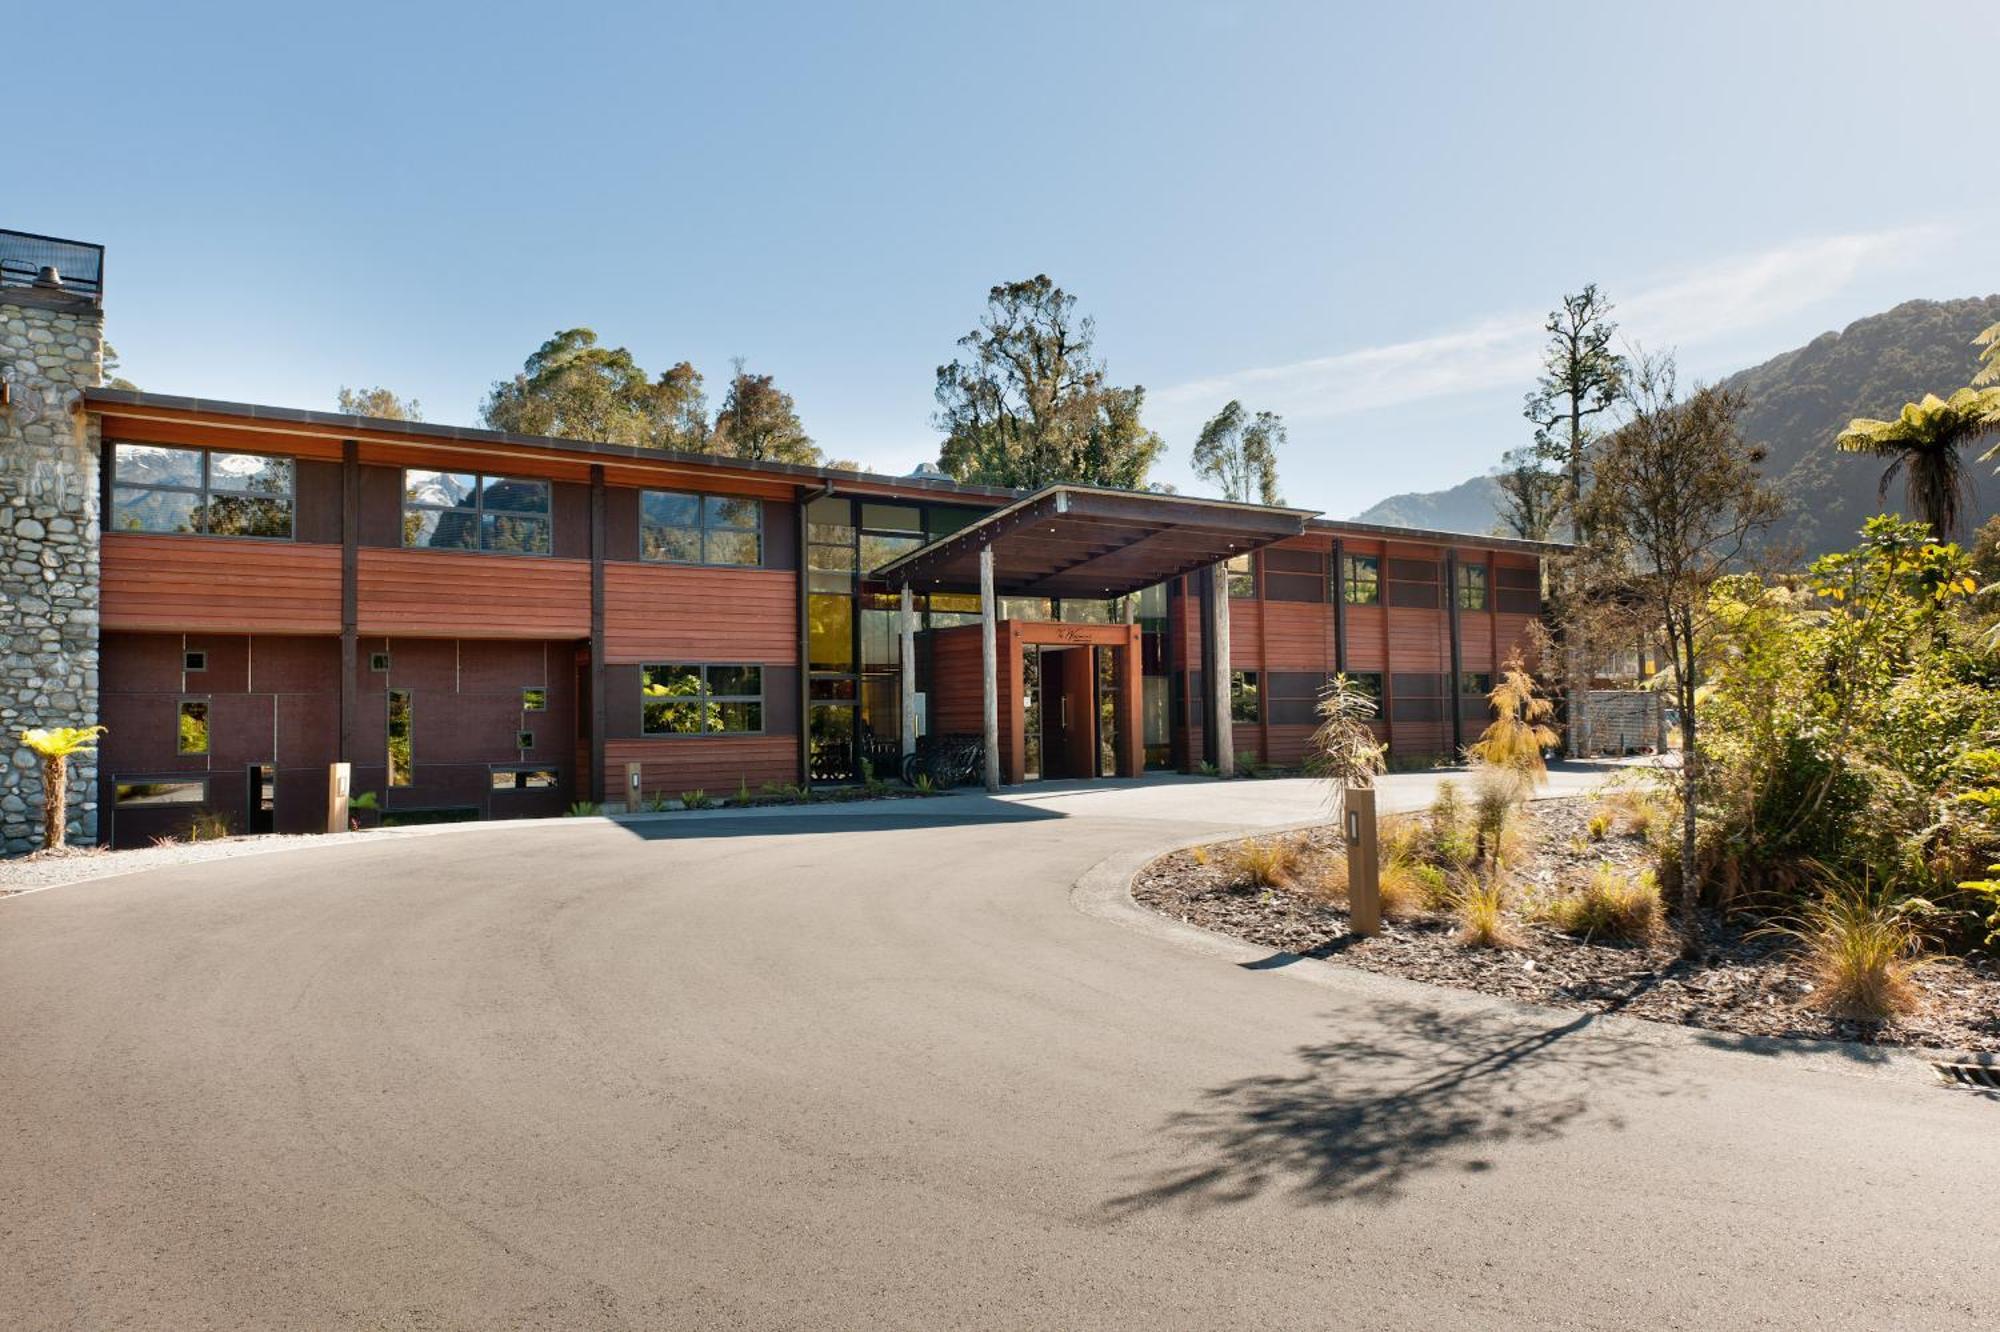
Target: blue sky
x,y
1352,214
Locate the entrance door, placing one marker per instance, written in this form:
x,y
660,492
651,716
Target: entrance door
x,y
1065,690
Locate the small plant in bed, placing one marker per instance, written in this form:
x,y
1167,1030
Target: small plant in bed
x,y
697,799
1611,905
1266,862
1482,911
1862,946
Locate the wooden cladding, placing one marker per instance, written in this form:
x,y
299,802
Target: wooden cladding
x,y
663,612
719,765
430,593
190,583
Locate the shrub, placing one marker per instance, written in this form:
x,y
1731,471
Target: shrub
x,y
743,790
1862,948
1600,825
1403,839
1482,913
1457,848
697,799
208,825
1434,887
1207,769
1447,808
1266,862
1497,793
1199,855
1610,905
657,803
1405,887
583,809
1520,729
924,786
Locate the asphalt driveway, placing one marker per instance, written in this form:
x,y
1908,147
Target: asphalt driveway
x,y
888,1066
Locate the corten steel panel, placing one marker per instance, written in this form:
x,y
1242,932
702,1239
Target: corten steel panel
x,y
503,666
241,730
316,506
308,732
142,735
441,593
381,507
165,583
690,613
228,663
781,535
139,663
621,523
569,504
290,665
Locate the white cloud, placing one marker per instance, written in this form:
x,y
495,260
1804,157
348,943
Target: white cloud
x,y
1675,310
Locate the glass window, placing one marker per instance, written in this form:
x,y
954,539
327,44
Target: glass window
x,y
892,518
401,767
682,528
1245,704
534,700
193,735
194,661
698,700
1368,682
1475,684
471,511
1026,608
525,779
1361,580
157,489
162,791
830,632
830,520
1080,610
524,740
1242,576
877,549
1472,587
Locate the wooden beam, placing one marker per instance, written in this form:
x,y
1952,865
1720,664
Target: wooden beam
x,y
1456,685
907,624
599,710
1218,684
350,593
989,676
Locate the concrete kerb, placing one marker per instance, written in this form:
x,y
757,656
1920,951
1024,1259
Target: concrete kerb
x,y
1105,892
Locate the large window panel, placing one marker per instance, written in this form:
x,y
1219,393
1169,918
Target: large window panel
x,y
474,511
678,699
200,491
1361,580
680,527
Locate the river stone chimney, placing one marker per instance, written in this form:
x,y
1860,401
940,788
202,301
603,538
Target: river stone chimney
x,y
51,350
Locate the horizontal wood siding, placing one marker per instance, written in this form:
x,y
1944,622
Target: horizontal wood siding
x,y
718,765
1418,640
1298,637
430,593
163,582
659,612
1245,633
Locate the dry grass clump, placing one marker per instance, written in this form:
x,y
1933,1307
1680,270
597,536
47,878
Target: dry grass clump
x,y
1862,950
1267,862
1481,908
208,825
1199,855
1498,795
1610,906
1599,826
1405,888
1627,810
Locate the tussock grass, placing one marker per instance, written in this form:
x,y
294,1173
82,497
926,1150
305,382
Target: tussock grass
x,y
1481,908
1266,862
1862,950
1611,906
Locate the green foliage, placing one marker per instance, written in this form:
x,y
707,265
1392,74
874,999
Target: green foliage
x,y
1610,905
656,803
55,746
1028,403
62,741
697,799
583,809
760,422
1239,453
576,389
1862,944
208,825
1924,442
380,403
1343,751
924,786
366,800
743,790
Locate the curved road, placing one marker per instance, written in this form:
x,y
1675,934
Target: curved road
x,y
880,1066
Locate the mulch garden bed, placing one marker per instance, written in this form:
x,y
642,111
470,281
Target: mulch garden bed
x,y
1741,981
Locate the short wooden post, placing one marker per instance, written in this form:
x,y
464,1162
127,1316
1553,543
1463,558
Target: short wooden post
x,y
1218,688
339,779
989,654
908,626
635,797
1364,873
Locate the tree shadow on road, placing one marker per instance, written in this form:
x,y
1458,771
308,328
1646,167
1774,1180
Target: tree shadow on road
x,y
1423,1090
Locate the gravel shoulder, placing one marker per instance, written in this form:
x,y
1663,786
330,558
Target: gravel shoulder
x,y
1741,982
76,864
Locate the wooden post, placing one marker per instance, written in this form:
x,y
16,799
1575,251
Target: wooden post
x,y
1218,684
339,778
989,678
1455,692
909,636
635,795
1364,881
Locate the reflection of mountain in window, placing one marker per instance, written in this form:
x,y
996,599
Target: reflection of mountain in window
x,y
468,511
158,489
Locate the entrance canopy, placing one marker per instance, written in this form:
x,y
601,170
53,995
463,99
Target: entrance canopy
x,y
1079,541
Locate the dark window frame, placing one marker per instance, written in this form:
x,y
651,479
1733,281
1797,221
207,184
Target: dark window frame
x,y
702,698
196,779
521,774
1350,565
203,491
701,529
542,691
481,483
410,736
205,702
1242,581
1468,586
1242,685
194,661
379,662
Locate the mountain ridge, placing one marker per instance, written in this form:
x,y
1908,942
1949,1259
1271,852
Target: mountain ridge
x,y
1794,405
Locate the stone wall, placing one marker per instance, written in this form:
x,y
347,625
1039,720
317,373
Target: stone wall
x,y
51,349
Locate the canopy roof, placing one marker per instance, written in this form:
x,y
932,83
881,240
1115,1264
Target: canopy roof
x,y
1079,541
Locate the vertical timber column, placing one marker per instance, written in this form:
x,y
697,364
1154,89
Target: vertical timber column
x,y
1336,584
907,625
1220,721
350,594
989,674
598,710
1454,688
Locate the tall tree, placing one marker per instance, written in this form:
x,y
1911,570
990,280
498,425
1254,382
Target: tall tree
x,y
1988,343
1239,452
680,411
1530,494
1676,498
1580,382
759,421
1924,443
1027,403
112,379
380,403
